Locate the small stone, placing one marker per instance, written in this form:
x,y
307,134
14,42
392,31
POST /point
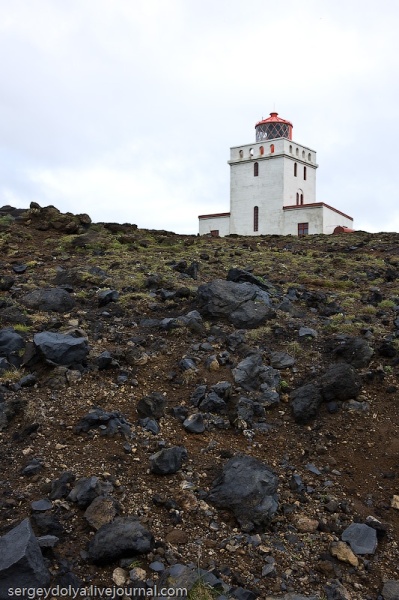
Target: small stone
x,y
101,511
119,576
306,524
307,332
313,469
194,423
137,574
342,551
157,566
390,591
361,538
48,541
41,505
395,502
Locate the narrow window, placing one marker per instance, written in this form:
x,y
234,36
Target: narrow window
x,y
261,150
309,157
303,228
271,148
295,169
303,153
297,151
241,153
290,148
256,218
301,198
304,173
297,198
251,152
256,169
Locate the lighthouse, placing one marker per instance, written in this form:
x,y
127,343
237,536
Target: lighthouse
x,y
273,188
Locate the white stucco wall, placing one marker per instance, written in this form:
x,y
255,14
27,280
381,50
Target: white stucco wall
x,y
321,219
210,223
276,184
332,219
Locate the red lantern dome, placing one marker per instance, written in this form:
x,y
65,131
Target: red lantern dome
x,y
273,127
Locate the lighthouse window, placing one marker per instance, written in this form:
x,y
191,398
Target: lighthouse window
x,y
261,150
297,151
256,218
251,152
241,153
303,228
303,153
290,148
309,157
304,173
295,169
256,169
271,148
297,198
301,198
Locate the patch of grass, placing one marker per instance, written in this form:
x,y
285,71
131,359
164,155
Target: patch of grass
x,y
387,304
258,333
6,220
22,328
369,309
202,591
11,376
294,348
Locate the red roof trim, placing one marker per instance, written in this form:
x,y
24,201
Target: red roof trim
x,y
274,118
214,216
316,205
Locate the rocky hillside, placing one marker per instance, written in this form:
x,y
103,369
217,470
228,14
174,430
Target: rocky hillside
x,y
220,415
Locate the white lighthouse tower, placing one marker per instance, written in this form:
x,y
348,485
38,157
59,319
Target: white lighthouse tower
x,y
273,188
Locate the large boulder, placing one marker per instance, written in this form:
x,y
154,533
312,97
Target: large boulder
x,y
61,349
340,382
21,560
352,350
10,342
245,305
251,373
168,460
49,299
87,489
248,487
124,537
305,402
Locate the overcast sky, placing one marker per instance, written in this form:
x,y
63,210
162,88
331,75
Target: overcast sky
x,y
126,109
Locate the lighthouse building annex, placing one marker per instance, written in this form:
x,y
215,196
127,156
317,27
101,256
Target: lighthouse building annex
x,y
273,188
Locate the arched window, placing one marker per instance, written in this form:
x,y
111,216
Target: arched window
x,y
309,157
304,173
303,153
295,169
271,148
297,197
256,218
297,151
256,169
290,148
241,153
251,152
261,150
301,198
